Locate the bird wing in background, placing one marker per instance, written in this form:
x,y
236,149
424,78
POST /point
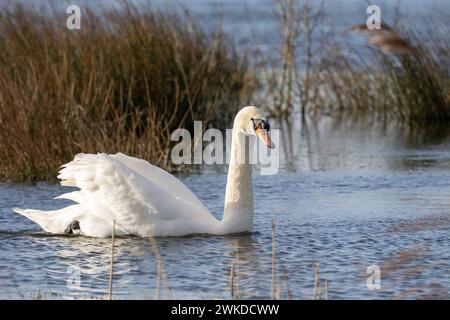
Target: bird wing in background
x,y
386,38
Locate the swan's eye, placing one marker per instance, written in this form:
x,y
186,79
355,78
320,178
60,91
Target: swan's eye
x,y
260,124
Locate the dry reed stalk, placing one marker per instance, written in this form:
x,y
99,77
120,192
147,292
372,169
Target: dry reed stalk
x,y
238,273
232,281
316,281
278,292
158,280
235,274
288,290
161,273
272,294
111,263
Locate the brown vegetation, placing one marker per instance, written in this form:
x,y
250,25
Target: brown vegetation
x,y
123,82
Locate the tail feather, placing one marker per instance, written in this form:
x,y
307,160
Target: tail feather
x,y
69,183
74,196
55,221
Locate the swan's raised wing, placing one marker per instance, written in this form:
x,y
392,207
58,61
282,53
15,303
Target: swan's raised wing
x,y
141,198
162,178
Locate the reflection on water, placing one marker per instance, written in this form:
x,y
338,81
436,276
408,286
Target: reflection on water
x,y
350,198
327,144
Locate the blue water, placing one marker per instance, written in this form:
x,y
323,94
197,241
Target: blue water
x,y
362,200
345,200
251,24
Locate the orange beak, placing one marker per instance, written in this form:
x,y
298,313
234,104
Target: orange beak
x,y
264,135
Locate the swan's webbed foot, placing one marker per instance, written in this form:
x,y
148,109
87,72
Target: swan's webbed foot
x,y
75,225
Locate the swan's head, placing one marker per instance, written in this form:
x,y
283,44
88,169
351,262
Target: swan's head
x,y
251,121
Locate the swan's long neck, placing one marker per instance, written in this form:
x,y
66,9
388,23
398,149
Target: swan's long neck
x,y
238,212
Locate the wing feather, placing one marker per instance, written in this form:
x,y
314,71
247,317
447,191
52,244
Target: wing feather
x,y
142,198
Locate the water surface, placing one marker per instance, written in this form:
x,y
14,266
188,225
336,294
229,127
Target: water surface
x,y
363,199
344,199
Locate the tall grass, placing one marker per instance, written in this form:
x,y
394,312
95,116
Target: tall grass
x,y
403,78
131,75
122,83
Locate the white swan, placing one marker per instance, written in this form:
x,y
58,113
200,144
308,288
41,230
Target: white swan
x,y
145,200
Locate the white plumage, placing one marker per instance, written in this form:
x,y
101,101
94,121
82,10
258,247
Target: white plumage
x,y
143,199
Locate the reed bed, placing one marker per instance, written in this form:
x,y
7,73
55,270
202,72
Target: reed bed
x,y
401,75
123,82
132,75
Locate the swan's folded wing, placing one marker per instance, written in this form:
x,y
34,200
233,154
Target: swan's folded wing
x,y
112,190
